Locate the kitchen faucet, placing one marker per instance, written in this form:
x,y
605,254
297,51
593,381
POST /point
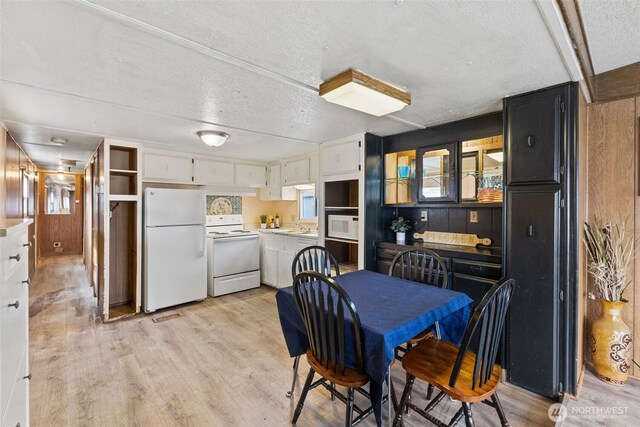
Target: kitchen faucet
x,y
303,228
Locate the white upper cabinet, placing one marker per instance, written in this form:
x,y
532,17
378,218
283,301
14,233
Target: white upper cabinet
x,y
212,172
295,171
340,158
251,175
158,167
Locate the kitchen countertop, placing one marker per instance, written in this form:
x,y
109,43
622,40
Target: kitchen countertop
x,y
488,254
293,232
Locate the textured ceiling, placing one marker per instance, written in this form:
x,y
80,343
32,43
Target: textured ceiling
x,y
613,32
160,71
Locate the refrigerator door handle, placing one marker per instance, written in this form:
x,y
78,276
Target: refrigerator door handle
x,y
204,240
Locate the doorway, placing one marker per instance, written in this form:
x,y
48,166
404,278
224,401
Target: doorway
x,y
60,214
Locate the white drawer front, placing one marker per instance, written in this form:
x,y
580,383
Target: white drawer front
x,y
14,253
13,329
16,412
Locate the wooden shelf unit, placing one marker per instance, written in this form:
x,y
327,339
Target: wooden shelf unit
x,y
117,215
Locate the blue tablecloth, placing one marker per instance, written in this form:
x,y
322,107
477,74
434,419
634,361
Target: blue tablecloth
x,y
392,311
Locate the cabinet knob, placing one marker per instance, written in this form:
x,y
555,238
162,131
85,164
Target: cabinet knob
x,y
530,141
27,282
28,244
16,257
27,377
15,304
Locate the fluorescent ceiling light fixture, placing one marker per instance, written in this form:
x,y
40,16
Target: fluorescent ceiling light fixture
x,y
356,90
213,138
56,140
497,156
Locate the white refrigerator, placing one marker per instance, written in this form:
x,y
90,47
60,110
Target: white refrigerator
x,y
175,263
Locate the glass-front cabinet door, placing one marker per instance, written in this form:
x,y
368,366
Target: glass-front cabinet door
x,y
399,177
482,170
437,166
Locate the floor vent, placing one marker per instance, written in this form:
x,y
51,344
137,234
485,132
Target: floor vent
x,y
165,318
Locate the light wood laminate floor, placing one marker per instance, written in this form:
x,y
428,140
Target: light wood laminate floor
x,y
222,362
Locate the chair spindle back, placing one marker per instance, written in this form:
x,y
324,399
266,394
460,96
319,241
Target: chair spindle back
x,y
487,322
420,265
326,310
315,258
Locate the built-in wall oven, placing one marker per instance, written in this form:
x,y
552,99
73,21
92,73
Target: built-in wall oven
x,y
233,256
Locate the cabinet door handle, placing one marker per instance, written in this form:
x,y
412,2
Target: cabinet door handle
x,y
475,267
27,282
27,377
530,141
16,257
28,244
530,231
15,304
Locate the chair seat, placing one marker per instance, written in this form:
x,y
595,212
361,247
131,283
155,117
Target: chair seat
x,y
421,336
350,377
433,360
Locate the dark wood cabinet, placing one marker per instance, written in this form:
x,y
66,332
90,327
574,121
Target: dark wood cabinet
x,y
533,262
540,240
533,126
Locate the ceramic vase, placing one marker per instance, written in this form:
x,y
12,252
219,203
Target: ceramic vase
x,y
611,344
400,236
263,225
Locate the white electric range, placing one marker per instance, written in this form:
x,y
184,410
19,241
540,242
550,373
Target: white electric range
x,y
233,255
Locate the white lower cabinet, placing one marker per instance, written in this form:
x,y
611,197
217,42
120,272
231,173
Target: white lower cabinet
x,y
277,254
14,323
285,260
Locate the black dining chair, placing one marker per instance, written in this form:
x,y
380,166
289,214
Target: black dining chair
x,y
311,258
333,325
423,266
459,372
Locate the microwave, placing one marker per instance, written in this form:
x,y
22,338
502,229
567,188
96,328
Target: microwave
x,y
342,227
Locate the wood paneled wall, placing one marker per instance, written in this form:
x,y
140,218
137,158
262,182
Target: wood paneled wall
x,y
13,164
612,193
66,229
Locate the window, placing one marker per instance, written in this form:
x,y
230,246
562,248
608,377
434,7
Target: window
x,y
307,203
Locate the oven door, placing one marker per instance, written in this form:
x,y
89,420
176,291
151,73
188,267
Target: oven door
x,y
237,254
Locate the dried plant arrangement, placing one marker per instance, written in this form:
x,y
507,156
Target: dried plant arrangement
x,y
610,251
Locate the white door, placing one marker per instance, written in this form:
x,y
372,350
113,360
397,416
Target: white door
x,y
212,172
175,266
295,172
167,168
270,266
340,158
165,206
251,175
238,254
285,260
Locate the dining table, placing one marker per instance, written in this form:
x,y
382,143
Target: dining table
x,y
392,311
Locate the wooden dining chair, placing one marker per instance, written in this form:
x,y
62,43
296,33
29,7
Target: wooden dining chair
x,y
459,372
311,258
423,266
327,313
